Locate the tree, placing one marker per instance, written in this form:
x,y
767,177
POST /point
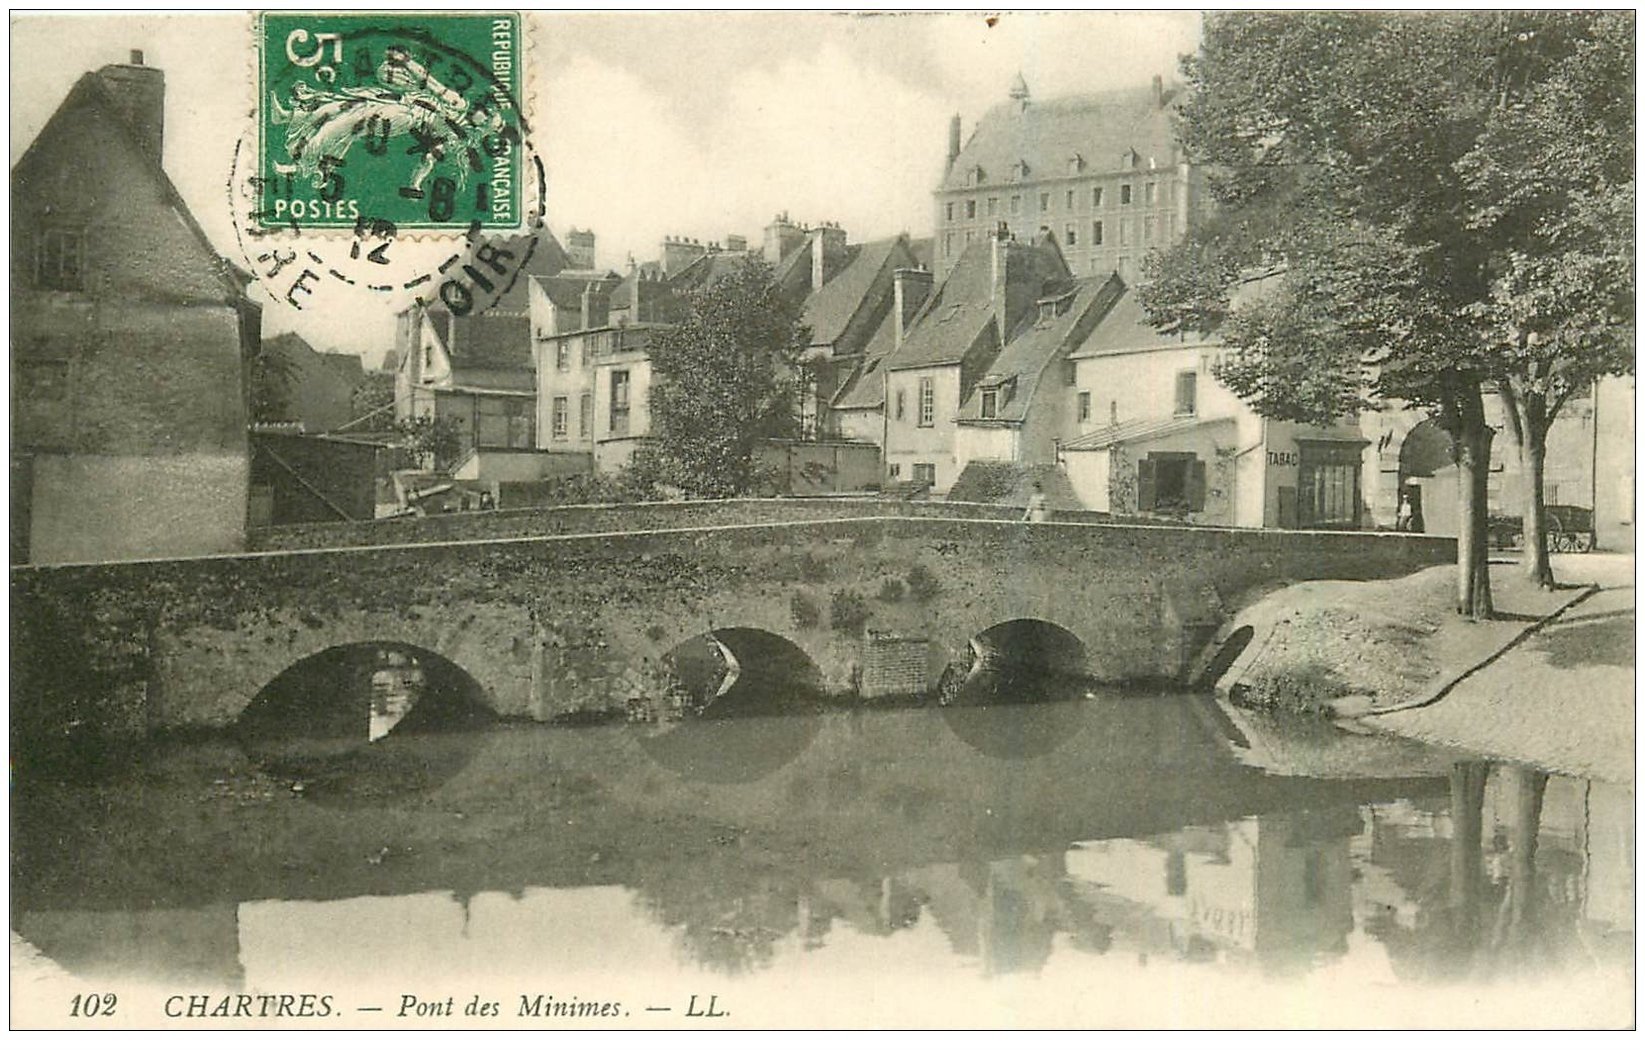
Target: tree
x,y
722,381
436,441
1336,145
1551,184
372,402
272,376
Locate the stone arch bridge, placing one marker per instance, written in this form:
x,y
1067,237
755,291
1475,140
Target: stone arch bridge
x,y
559,624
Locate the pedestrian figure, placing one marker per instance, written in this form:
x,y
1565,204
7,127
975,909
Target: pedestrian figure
x,y
1037,509
1402,520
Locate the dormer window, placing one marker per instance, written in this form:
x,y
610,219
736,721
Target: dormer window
x,y
1076,164
978,176
1130,159
1019,170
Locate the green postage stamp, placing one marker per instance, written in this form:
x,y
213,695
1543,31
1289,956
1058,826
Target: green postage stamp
x,y
410,121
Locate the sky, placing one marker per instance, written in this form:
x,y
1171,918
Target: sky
x,y
698,125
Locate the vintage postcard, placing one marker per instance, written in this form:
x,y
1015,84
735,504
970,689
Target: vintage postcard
x,y
719,520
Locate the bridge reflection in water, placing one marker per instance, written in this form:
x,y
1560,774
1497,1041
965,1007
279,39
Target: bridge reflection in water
x,y
1009,842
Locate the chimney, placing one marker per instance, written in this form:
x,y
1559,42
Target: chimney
x,y
596,305
139,92
679,252
781,237
736,242
827,253
1159,92
909,290
953,140
579,246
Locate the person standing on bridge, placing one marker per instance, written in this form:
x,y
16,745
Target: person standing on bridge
x,y
1037,508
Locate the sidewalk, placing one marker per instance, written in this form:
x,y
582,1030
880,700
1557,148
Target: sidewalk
x,y
1561,698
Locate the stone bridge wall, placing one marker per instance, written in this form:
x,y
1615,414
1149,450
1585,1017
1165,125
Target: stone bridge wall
x,y
624,517
560,624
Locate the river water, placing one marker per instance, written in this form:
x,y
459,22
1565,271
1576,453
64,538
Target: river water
x,y
1110,860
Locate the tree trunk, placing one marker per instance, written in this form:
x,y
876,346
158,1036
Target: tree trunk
x,y
1473,457
1528,418
1534,455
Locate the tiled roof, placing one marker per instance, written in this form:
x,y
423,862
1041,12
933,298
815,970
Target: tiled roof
x,y
954,317
866,386
1141,430
706,270
1125,329
1035,344
829,310
490,341
565,289
1099,129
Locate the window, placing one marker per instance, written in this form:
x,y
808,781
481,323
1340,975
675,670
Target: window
x,y
1045,202
971,209
993,206
1328,493
1072,233
1148,229
1085,406
926,472
1125,194
58,259
1016,205
1125,231
562,356
1150,192
1171,483
585,414
896,470
948,211
582,351
948,244
928,402
1096,234
1096,196
990,404
902,403
1186,382
619,402
557,421
505,422
1069,203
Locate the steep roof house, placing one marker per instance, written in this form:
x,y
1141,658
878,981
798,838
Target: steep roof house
x,y
1103,172
954,339
477,369
130,340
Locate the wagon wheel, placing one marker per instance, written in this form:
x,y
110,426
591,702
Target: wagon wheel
x,y
1558,539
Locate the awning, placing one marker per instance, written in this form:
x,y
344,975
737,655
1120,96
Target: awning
x,y
1141,430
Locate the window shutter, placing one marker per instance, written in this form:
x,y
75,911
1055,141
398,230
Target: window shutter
x,y
1145,484
1196,484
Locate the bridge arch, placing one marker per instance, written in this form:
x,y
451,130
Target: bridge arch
x,y
730,672
1027,643
362,691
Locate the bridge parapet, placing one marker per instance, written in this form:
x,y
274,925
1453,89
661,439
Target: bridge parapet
x,y
550,625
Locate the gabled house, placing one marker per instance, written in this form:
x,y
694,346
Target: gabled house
x,y
1154,433
477,370
1025,402
955,338
131,339
850,297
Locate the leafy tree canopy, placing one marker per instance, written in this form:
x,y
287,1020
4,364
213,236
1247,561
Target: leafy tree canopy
x,y
722,381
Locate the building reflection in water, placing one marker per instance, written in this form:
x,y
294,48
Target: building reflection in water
x,y
1516,871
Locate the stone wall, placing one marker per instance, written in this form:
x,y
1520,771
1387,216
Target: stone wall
x,y
549,626
622,517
